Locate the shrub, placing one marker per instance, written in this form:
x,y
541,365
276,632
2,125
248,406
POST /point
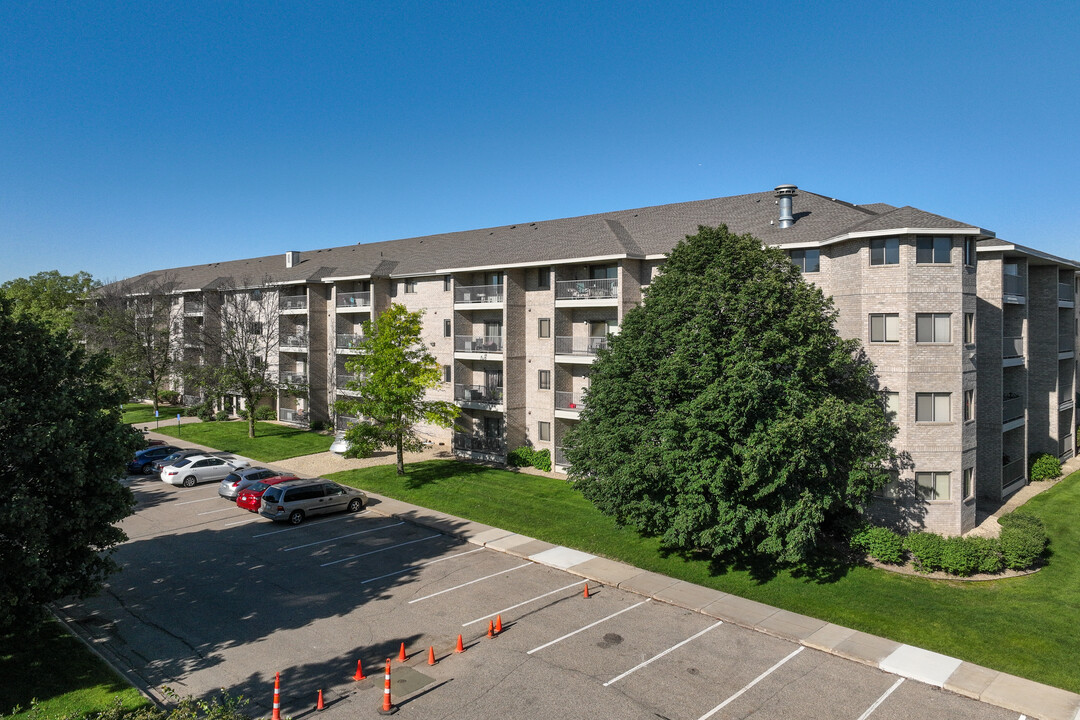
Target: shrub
x,y
525,456
316,425
242,414
959,556
542,460
926,549
1044,467
265,412
989,554
880,543
205,412
170,397
222,415
1023,539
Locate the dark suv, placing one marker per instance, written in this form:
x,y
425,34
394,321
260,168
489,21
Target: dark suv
x,y
297,499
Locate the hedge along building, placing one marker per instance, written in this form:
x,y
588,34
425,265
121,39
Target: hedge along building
x,y
974,339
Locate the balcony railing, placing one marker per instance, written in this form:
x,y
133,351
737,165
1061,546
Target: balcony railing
x,y
489,343
1013,285
1065,344
569,400
1012,409
478,443
1065,292
478,294
601,289
190,400
1067,447
1012,472
346,341
193,307
293,378
296,417
478,394
294,341
293,302
1012,347
354,299
560,457
579,345
343,422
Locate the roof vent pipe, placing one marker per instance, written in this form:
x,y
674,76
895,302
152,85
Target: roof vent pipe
x,y
292,257
784,196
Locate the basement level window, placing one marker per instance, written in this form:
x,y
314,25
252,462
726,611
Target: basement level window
x,y
809,261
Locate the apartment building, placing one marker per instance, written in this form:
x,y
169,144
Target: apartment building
x,y
974,338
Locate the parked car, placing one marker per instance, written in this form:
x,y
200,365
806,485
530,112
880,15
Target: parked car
x,y
250,498
293,501
237,481
199,468
339,445
170,459
144,459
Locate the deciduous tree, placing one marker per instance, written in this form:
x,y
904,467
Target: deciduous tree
x,y
394,371
728,416
49,297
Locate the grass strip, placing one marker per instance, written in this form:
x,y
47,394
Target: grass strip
x,y
1025,626
271,442
47,664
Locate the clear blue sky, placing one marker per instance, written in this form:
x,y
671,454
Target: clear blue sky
x,y
142,135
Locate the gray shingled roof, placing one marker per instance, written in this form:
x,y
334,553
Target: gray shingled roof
x,y
634,233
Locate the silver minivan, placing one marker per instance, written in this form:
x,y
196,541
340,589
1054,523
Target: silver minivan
x,y
297,499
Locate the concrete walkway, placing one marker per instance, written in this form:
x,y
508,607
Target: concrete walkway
x,y
986,521
1026,697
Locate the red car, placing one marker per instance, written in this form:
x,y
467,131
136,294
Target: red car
x,y
251,497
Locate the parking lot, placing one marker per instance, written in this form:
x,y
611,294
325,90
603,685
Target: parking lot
x,y
212,597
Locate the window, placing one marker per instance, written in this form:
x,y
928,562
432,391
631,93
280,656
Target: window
x,y
891,489
447,328
254,327
969,328
884,327
806,260
933,249
969,254
447,283
892,404
932,407
543,327
543,278
969,483
410,286
256,294
543,429
933,327
969,405
446,376
544,377
885,251
932,485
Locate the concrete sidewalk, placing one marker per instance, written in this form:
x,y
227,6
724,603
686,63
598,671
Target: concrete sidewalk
x,y
1035,700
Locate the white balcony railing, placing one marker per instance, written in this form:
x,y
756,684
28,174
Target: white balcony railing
x,y
569,400
193,307
1065,292
1012,472
354,299
293,378
600,289
1013,285
478,294
478,443
1012,347
478,394
293,302
579,345
298,340
489,343
1012,409
347,341
295,417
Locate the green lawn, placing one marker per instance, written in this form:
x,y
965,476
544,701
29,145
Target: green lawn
x,y
271,442
55,668
1024,626
139,413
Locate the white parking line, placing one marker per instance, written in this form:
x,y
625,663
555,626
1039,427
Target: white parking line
x,y
571,634
751,684
212,512
881,699
526,602
307,525
244,521
419,565
372,552
660,655
458,587
189,502
342,537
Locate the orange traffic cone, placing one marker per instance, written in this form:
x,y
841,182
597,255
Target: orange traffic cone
x,y
402,657
460,645
431,655
277,696
319,705
491,629
586,593
498,624
388,708
359,671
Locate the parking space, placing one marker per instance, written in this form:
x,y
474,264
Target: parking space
x,y
214,596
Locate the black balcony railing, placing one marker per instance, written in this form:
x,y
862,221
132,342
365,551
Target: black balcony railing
x,y
486,344
481,394
1065,292
295,417
293,378
479,443
1012,409
579,345
297,340
569,401
1013,285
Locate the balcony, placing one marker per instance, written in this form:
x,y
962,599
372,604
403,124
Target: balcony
x,y
354,300
604,289
1012,351
1067,447
571,402
1066,399
482,345
344,422
578,349
293,302
297,342
1066,347
560,457
1012,473
292,378
1013,290
293,417
193,307
464,442
1012,410
348,341
477,295
480,395
1065,295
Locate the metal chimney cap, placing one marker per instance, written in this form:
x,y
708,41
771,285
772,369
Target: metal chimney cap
x,y
782,190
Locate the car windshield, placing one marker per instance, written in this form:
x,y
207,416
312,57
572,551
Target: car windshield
x,y
174,456
232,478
182,463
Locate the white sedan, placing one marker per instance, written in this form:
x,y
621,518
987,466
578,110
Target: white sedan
x,y
199,468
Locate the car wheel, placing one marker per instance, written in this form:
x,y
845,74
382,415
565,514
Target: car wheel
x,y
147,468
296,517
356,505
190,481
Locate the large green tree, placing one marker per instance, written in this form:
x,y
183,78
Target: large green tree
x,y
49,297
393,371
728,416
62,446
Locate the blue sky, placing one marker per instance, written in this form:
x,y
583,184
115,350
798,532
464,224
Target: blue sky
x,y
142,135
